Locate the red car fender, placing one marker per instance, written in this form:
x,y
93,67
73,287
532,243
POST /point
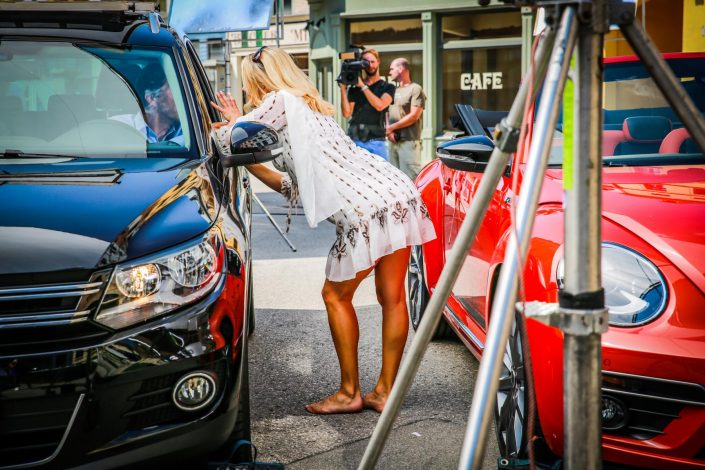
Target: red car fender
x,y
430,185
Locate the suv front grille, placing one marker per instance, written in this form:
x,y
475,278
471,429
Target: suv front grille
x,y
42,318
33,430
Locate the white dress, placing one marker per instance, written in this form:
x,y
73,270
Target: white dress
x,y
375,207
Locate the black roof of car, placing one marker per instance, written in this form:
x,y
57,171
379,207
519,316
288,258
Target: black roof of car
x,y
111,22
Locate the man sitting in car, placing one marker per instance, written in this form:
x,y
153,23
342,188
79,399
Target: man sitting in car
x,y
160,122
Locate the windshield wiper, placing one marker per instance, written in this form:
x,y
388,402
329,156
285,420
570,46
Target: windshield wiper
x,y
12,153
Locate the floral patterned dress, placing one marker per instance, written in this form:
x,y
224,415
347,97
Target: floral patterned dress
x,y
379,209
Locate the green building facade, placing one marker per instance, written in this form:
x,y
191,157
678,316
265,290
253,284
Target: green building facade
x,y
459,51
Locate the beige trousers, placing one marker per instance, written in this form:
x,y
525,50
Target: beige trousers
x,y
406,156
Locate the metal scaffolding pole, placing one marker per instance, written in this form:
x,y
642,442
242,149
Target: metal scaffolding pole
x,y
503,305
581,302
505,146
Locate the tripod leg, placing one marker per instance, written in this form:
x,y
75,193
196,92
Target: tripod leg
x,y
468,230
274,222
503,305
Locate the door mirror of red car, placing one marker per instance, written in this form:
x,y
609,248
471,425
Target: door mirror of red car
x,y
466,153
252,142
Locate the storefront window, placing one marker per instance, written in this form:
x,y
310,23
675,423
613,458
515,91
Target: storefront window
x,y
481,26
301,60
486,78
387,31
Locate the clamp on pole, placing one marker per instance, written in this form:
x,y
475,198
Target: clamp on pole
x,y
577,322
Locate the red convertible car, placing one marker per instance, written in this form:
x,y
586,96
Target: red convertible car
x,y
653,272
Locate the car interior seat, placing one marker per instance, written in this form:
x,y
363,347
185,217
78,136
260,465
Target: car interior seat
x,y
68,111
643,134
610,140
678,141
10,108
114,92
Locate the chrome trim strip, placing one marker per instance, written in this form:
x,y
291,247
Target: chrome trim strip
x,y
50,288
12,326
655,379
643,429
464,329
61,442
49,295
653,397
658,413
42,316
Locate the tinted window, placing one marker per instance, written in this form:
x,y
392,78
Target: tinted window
x,y
91,101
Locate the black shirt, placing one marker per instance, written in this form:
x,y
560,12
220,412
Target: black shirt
x,y
364,113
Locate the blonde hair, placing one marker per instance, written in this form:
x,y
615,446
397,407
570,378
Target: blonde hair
x,y
374,53
276,71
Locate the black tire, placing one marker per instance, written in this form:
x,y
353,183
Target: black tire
x,y
242,428
418,296
250,307
510,413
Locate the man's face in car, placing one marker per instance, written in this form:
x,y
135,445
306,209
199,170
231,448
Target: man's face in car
x,y
162,103
374,64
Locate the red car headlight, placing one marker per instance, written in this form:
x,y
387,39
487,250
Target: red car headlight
x,y
635,290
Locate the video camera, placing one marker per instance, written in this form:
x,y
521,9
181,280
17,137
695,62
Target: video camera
x,y
352,65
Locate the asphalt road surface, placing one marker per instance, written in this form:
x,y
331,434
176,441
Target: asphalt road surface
x,y
292,362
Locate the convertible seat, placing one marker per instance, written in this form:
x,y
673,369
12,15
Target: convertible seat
x,y
610,140
643,134
678,141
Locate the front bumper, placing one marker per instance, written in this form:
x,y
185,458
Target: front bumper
x,y
111,404
658,381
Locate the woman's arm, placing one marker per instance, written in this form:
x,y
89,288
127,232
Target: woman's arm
x,y
271,178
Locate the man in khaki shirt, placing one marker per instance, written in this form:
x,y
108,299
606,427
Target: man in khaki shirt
x,y
404,128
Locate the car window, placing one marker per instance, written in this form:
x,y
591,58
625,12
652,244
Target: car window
x,y
639,127
91,100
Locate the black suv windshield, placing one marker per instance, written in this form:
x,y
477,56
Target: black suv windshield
x,y
86,100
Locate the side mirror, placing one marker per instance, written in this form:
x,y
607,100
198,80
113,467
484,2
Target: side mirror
x,y
252,142
466,153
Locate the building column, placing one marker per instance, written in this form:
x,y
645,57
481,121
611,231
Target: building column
x,y
431,83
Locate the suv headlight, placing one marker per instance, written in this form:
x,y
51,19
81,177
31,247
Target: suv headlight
x,y
635,291
150,287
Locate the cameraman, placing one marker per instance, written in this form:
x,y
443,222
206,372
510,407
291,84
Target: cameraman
x,y
367,103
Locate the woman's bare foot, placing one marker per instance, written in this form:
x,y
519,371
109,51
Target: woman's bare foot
x,y
375,401
336,404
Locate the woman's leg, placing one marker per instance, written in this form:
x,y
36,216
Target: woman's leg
x,y
390,273
344,329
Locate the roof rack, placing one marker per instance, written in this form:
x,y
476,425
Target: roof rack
x,y
81,5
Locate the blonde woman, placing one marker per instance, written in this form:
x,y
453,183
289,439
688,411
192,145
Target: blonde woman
x,y
376,209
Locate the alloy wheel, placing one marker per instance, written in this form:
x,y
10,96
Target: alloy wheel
x,y
510,410
416,287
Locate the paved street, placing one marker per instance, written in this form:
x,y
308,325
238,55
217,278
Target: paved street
x,y
292,362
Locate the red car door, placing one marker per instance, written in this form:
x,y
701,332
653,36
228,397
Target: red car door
x,y
469,301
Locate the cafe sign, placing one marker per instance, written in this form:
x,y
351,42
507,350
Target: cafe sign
x,y
481,81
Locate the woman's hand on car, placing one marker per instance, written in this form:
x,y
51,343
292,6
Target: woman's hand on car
x,y
227,107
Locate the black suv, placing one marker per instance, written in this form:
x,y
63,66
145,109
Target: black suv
x,y
125,274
